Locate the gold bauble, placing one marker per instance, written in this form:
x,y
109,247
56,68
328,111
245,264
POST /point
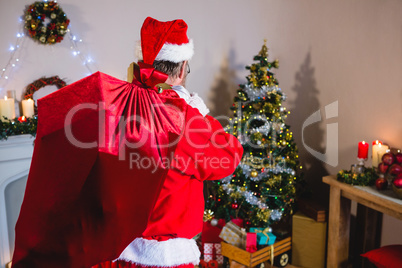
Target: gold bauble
x,y
254,173
51,39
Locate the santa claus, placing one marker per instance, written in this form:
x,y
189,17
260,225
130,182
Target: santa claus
x,y
117,174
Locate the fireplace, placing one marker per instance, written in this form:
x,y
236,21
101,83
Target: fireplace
x,y
15,159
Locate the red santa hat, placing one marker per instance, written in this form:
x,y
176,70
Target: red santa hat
x,y
164,41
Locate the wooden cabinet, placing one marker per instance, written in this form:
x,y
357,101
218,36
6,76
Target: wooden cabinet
x,y
371,203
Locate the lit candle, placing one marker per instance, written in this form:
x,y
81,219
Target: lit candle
x,y
362,151
374,153
28,108
7,108
382,149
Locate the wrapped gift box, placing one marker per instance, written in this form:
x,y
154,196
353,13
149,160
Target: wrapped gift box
x,y
213,251
234,235
263,238
210,234
251,242
308,241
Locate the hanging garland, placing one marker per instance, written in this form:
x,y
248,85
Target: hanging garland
x,y
54,30
18,127
366,178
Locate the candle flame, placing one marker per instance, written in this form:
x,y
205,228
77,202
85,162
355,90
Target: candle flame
x,y
363,142
30,99
376,142
23,117
5,97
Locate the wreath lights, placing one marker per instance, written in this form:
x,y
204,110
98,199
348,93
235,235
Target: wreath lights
x,y
50,32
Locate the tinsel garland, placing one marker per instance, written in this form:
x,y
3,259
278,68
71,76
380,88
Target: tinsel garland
x,y
258,93
274,214
265,173
18,126
367,178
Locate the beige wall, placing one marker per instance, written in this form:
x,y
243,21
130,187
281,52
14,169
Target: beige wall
x,y
345,51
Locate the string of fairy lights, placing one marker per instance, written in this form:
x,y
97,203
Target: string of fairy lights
x,y
15,60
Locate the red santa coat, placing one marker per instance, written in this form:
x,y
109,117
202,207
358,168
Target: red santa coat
x,y
204,152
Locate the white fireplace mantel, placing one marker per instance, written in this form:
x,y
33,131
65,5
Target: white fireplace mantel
x,y
15,160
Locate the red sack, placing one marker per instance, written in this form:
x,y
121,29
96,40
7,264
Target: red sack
x,y
84,202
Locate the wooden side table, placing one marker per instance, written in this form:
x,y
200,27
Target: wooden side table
x,y
340,198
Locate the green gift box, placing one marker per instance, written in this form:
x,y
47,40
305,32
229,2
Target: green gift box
x,y
264,237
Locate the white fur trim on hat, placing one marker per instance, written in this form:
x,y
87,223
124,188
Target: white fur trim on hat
x,y
170,52
172,252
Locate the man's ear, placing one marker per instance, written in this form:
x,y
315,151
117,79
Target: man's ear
x,y
183,69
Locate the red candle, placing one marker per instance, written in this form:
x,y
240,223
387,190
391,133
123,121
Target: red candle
x,y
362,152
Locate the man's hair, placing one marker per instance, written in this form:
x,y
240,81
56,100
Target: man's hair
x,y
172,69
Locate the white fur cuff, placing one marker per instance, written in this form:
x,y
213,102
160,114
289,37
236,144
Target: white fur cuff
x,y
170,52
172,252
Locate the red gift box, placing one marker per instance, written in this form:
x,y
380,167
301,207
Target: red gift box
x,y
239,222
210,234
213,251
251,242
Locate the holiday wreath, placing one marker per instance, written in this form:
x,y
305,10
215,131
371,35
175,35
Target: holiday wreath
x,y
42,82
50,32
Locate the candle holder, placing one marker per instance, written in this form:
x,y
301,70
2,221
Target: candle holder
x,y
360,168
353,168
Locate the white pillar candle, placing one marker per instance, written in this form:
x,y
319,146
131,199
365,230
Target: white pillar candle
x,y
28,109
7,108
380,151
374,155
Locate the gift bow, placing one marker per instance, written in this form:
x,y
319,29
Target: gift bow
x,y
264,232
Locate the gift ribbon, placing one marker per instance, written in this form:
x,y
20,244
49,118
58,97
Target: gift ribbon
x,y
214,251
148,75
264,232
272,255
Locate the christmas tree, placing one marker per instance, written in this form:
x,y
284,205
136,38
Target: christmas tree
x,y
262,189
